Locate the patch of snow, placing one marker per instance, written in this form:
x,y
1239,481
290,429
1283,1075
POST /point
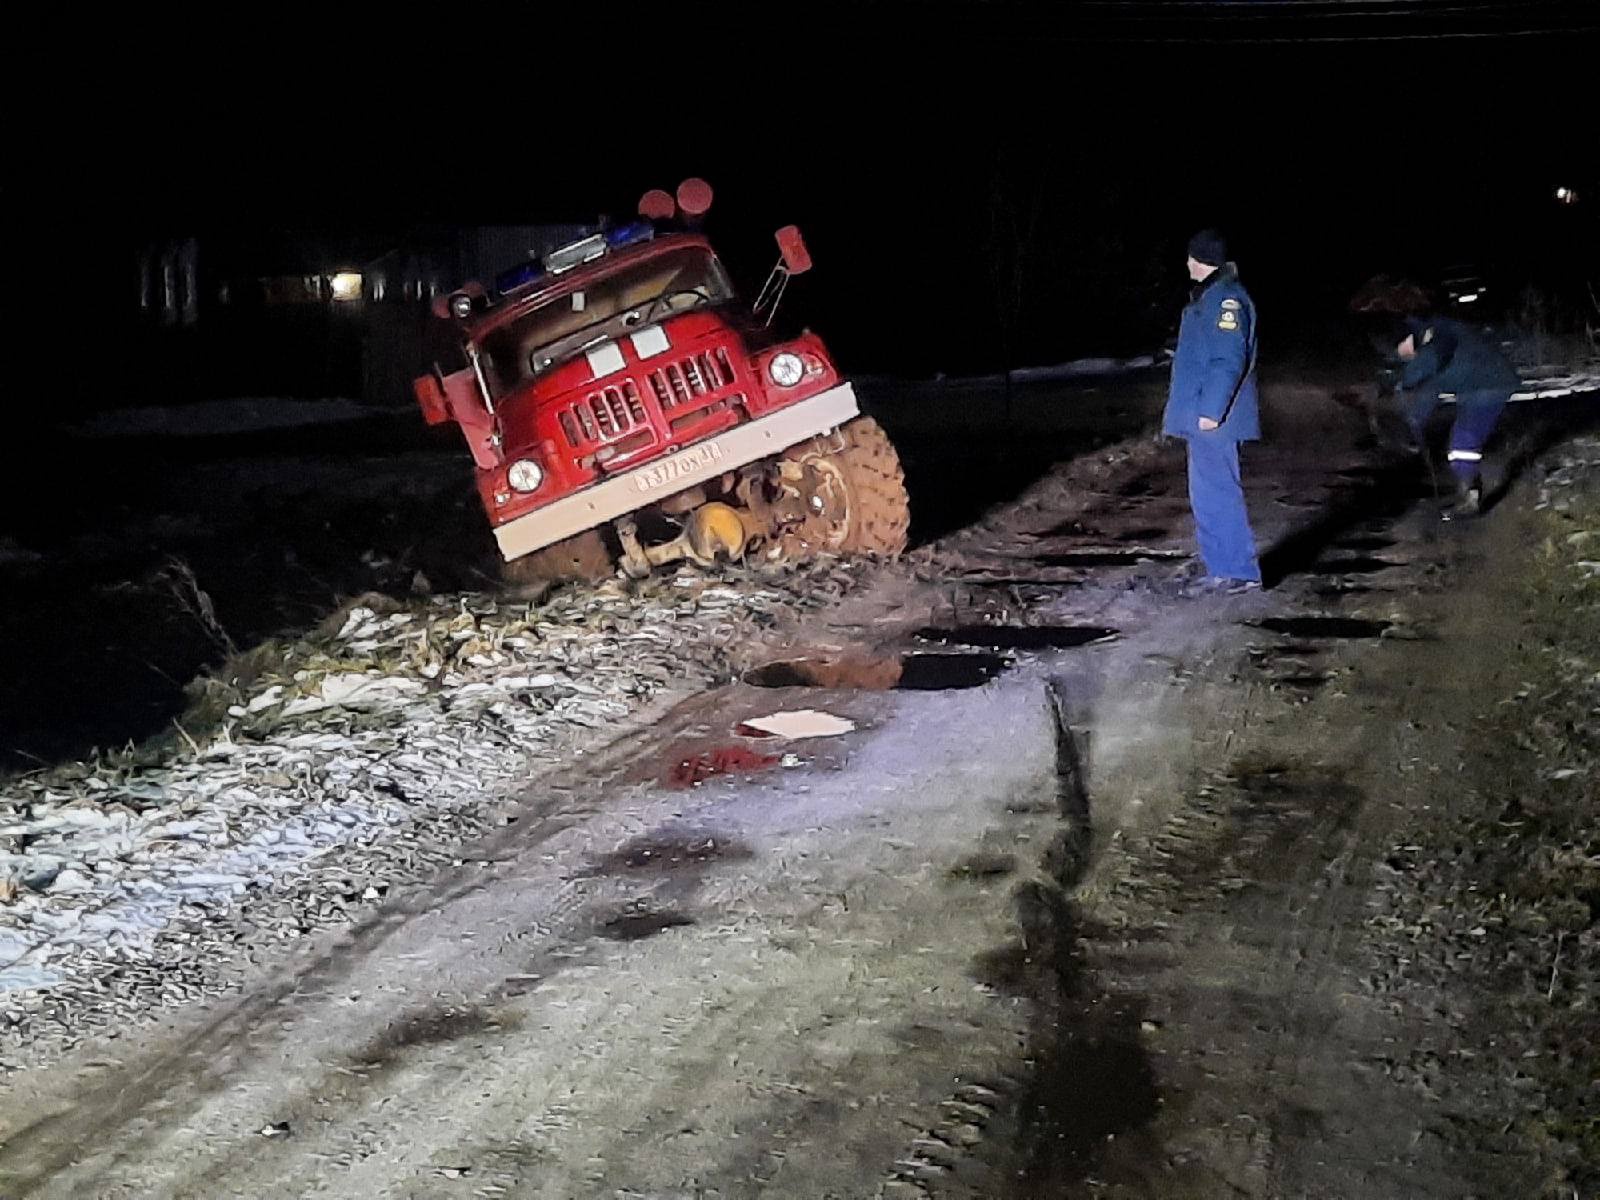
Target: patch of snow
x,y
1576,463
1553,386
273,695
352,690
348,739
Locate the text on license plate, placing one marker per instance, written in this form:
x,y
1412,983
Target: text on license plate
x,y
660,474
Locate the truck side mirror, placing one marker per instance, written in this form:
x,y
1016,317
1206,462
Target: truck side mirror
x,y
796,258
430,396
455,397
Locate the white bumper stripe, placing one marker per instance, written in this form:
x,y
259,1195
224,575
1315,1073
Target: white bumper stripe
x,y
656,480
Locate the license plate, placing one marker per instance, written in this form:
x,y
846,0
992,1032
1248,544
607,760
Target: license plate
x,y
661,474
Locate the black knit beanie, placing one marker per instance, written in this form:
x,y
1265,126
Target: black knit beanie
x,y
1208,247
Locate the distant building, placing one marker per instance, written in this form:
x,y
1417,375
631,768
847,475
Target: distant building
x,y
304,314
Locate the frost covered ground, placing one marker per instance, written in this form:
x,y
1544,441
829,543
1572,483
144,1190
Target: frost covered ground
x,y
299,747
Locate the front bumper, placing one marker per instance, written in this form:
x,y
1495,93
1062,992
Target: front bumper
x,y
662,477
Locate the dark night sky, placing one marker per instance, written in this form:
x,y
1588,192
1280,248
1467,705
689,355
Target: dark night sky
x,y
1328,140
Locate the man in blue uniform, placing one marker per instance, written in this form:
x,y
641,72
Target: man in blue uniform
x,y
1445,355
1213,406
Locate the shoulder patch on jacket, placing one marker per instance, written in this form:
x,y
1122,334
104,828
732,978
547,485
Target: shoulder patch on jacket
x,y
1229,320
1230,303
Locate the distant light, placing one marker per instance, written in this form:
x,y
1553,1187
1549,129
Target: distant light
x,y
1566,195
346,285
1468,298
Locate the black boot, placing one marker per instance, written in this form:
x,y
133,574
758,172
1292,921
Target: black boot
x,y
1467,501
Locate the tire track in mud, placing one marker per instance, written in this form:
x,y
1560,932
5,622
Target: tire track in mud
x,y
1085,1084
1082,1108
1241,922
1086,1079
1267,848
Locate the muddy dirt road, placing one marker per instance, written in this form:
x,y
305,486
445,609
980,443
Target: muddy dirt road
x,y
275,527
1099,914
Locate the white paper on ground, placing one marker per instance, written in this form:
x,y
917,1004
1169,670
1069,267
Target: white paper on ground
x,y
802,723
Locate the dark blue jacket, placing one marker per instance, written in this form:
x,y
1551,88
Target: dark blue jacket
x,y
1452,356
1214,370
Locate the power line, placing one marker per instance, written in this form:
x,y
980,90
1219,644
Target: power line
x,y
1294,20
1418,7
1294,10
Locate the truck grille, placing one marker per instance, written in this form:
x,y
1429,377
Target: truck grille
x,y
679,383
603,416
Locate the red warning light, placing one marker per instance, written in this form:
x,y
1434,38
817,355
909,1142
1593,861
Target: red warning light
x,y
694,197
657,205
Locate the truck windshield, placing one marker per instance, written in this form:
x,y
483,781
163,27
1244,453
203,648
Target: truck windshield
x,y
632,297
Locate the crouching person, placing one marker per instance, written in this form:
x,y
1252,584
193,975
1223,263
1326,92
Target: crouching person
x,y
1443,355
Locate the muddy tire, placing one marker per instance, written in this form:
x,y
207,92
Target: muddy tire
x,y
852,496
585,558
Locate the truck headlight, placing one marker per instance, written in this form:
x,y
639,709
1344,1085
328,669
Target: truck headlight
x,y
525,475
786,369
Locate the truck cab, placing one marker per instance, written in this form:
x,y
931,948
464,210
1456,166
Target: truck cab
x,y
621,373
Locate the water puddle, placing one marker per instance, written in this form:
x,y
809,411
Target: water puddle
x,y
634,924
907,673
1308,681
1106,558
430,1027
1071,528
1144,485
1359,565
1020,637
1089,533
1013,581
1325,627
1286,650
984,865
1148,534
1293,667
672,851
1365,541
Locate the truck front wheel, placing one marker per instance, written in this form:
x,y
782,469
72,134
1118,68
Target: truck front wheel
x,y
842,493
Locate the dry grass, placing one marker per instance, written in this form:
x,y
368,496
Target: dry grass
x,y
1537,868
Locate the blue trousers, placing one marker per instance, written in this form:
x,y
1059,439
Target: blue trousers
x,y
1477,413
1221,521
